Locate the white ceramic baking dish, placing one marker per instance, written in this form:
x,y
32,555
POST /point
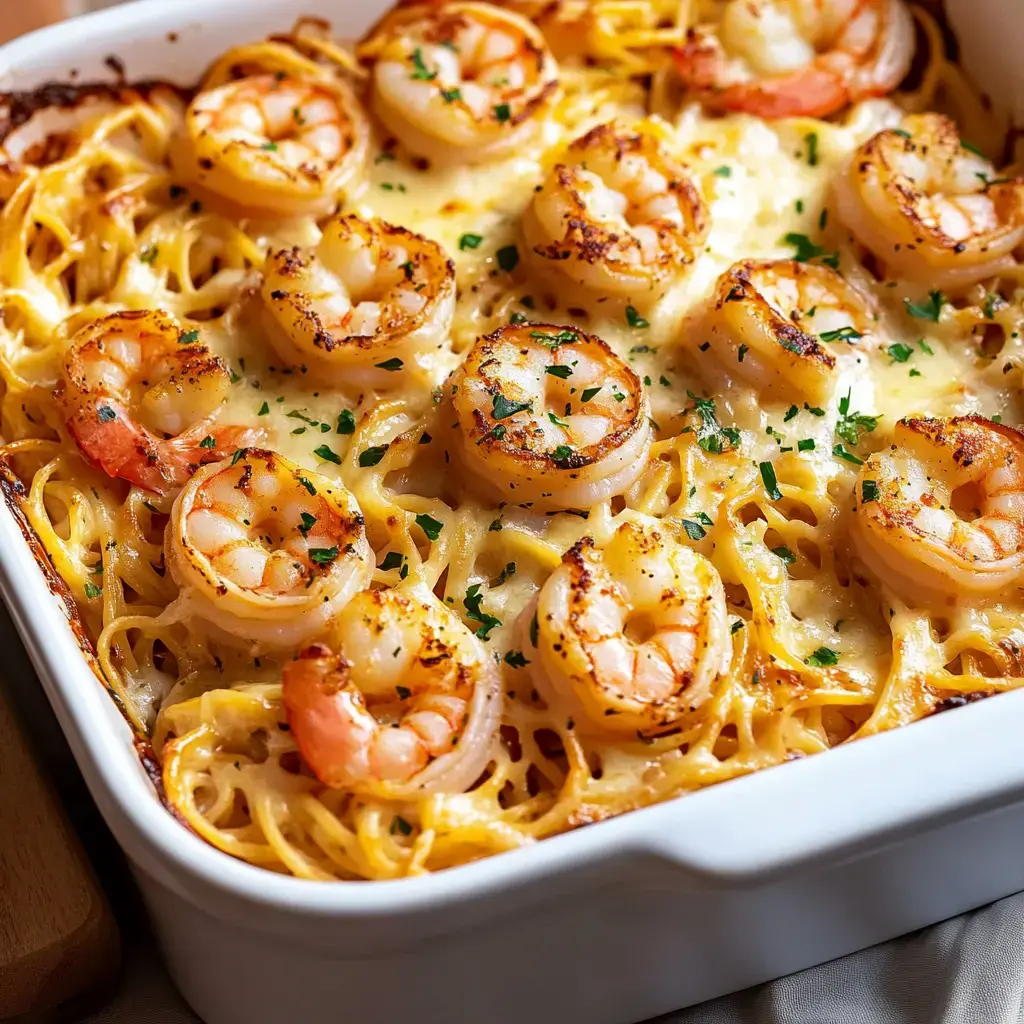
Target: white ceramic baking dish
x,y
609,924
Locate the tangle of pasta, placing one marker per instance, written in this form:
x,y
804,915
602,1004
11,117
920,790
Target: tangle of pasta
x,y
527,415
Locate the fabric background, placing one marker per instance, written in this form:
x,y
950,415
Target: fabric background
x,y
969,970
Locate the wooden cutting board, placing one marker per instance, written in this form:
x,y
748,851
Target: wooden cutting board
x,y
58,940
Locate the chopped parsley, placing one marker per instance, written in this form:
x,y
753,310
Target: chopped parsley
x,y
325,453
188,337
899,353
469,241
807,250
264,410
929,310
149,254
552,341
868,491
476,614
92,591
561,371
823,656
451,95
785,554
768,478
392,560
307,483
841,334
502,112
515,659
502,407
508,258
634,319
805,445
421,72
695,527
207,442
392,364
429,525
323,556
346,422
851,424
588,394
307,524
840,452
811,138
371,456
790,413
712,437
722,172
561,454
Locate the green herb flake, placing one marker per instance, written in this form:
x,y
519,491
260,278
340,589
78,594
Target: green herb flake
x,y
307,524
208,442
722,172
712,437
307,483
323,556
929,310
899,353
421,72
868,491
469,241
502,407
811,138
805,445
392,364
515,659
785,554
634,319
840,452
823,656
92,591
325,453
264,410
840,334
560,371
399,824
188,337
694,530
392,560
429,525
502,112
768,478
475,613
508,258
346,422
371,456
790,413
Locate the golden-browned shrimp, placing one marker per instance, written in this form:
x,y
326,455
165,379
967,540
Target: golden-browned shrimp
x,y
138,394
797,58
369,304
274,144
409,705
266,552
940,513
548,415
767,320
620,215
630,636
931,210
460,82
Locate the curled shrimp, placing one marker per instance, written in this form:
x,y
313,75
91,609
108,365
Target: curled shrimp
x,y
460,82
621,214
265,551
931,210
274,144
549,415
630,636
770,322
940,513
369,294
797,58
409,705
138,394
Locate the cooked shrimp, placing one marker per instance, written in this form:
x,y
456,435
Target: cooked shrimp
x,y
767,320
797,58
931,210
138,394
265,551
631,636
276,145
549,415
460,82
941,512
370,293
620,215
410,704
